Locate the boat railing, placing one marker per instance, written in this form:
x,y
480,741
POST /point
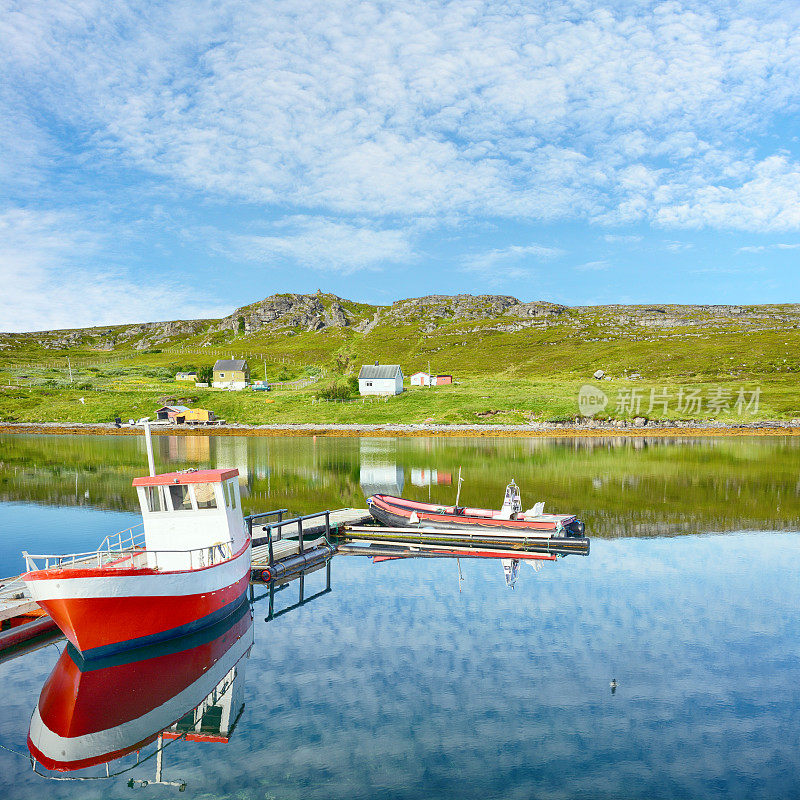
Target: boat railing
x,y
274,530
133,558
124,540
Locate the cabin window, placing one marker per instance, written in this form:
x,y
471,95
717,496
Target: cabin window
x,y
222,374
204,495
230,494
368,383
155,498
179,494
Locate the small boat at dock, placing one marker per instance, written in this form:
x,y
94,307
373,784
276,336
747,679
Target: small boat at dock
x,y
509,522
187,566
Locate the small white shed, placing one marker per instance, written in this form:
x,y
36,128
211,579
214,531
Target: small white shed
x,y
380,379
420,379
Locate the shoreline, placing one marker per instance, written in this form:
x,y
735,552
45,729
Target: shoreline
x,y
590,429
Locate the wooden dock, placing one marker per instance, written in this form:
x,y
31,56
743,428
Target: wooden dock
x,y
322,523
15,601
284,546
21,618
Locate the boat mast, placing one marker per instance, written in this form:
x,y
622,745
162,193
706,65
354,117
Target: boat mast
x,y
458,491
149,444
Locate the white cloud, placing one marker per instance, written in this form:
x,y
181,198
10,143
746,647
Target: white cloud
x,y
763,248
45,286
647,112
506,261
322,244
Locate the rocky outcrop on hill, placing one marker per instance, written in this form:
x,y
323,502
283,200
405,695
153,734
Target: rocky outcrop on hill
x,y
434,309
463,313
307,312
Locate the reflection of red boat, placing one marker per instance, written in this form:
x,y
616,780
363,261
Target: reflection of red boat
x,y
509,522
188,568
90,713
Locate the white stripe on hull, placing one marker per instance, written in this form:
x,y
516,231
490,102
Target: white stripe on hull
x,y
165,584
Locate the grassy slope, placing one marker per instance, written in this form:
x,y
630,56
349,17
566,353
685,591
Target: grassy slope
x,y
528,375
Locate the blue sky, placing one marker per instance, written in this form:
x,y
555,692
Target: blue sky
x,y
162,161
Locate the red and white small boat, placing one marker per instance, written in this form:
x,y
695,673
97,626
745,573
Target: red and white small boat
x,y
510,521
185,567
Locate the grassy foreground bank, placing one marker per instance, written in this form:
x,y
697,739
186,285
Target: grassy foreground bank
x,y
475,401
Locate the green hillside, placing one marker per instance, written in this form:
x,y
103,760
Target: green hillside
x,y
513,362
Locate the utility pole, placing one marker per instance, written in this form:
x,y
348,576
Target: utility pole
x,y
69,365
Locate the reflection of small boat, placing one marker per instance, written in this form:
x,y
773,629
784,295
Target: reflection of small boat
x,y
188,568
91,713
510,570
510,521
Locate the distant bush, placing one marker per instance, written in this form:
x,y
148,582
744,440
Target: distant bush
x,y
151,351
205,374
85,385
176,367
336,391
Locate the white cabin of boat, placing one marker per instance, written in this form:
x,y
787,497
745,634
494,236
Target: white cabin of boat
x,y
187,511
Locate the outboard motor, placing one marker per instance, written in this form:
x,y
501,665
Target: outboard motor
x,y
512,503
575,528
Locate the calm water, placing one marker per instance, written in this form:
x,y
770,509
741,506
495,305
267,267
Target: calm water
x,y
412,679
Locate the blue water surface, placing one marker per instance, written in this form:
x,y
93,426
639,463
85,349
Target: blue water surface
x,y
407,682
433,679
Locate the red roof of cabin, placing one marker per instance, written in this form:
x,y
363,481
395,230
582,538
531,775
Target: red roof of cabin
x,y
198,476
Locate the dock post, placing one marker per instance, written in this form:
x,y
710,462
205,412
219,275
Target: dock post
x,y
300,532
271,612
269,546
327,526
328,576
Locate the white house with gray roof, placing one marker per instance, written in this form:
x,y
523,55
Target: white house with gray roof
x,y
380,379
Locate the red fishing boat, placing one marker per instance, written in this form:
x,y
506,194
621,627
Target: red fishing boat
x,y
509,522
185,567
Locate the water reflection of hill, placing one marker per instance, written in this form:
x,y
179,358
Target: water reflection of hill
x,y
621,487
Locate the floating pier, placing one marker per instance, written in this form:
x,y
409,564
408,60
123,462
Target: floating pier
x,y
284,546
21,619
442,539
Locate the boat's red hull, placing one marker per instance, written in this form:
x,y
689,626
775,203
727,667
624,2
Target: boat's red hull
x,y
104,611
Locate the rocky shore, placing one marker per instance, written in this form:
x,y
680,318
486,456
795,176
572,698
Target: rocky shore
x,y
587,428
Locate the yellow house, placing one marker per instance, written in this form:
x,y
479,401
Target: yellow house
x,y
231,373
198,415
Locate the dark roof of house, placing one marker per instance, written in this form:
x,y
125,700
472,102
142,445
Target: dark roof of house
x,y
377,372
230,364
